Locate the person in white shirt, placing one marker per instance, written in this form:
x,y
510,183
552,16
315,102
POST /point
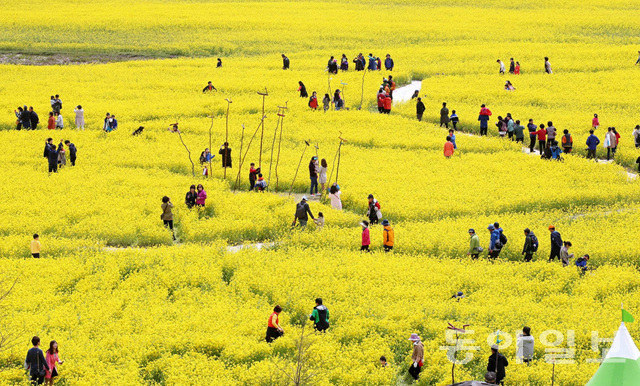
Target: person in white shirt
x,y
322,175
501,66
524,346
59,121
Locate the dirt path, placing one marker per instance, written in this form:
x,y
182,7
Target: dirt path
x,y
403,94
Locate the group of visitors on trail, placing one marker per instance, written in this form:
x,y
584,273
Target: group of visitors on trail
x,y
28,119
498,240
41,368
514,67
338,100
371,63
57,156
319,316
385,95
303,212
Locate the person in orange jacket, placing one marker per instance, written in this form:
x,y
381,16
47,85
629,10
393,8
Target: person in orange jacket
x,y
388,236
448,148
387,104
381,100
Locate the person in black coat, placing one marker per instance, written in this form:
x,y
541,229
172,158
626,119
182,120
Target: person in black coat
x,y
225,152
285,62
35,362
420,109
502,363
191,197
51,154
73,151
33,117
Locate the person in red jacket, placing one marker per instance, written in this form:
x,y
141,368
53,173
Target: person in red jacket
x,y
542,137
387,104
381,100
274,331
366,238
313,101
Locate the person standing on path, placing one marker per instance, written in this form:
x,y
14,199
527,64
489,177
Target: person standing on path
x,y
419,109
444,115
285,62
35,246
483,117
167,214
36,363
388,236
225,153
79,117
417,356
530,245
302,213
532,135
320,316
611,143
551,133
497,362
366,238
313,176
274,330
373,212
556,243
547,65
542,136
518,132
592,145
454,120
474,244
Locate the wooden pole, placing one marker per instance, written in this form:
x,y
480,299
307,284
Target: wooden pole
x,y
299,163
226,140
362,91
264,95
281,110
239,160
245,153
339,154
210,144
279,145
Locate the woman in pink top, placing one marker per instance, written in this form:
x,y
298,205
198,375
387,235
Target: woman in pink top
x,y
595,122
334,196
52,360
202,196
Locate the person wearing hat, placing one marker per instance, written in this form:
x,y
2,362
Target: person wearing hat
x,y
373,212
497,362
388,236
366,239
494,244
417,356
302,213
556,243
474,244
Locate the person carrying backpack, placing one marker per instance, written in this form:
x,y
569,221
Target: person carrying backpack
x,y
503,238
495,246
556,243
530,245
302,213
567,142
581,263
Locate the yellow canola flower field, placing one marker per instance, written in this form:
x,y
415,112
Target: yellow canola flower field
x,y
129,305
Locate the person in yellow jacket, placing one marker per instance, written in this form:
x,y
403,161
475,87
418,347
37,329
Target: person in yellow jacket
x,y
35,246
388,236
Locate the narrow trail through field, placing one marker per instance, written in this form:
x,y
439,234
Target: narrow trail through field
x,y
403,94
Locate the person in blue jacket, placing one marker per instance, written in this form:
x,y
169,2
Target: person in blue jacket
x,y
484,123
388,63
373,65
556,243
494,244
592,144
581,263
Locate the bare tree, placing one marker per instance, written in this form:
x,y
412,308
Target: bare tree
x,y
7,339
301,373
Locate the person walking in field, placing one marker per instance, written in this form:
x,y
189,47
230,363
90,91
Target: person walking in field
x,y
542,138
581,263
592,145
501,71
344,63
191,197
512,66
51,122
79,117
636,136
474,245
532,128
547,66
495,246
219,63
530,245
452,134
373,212
285,62
274,330
565,256
225,155
320,316
303,90
448,148
334,196
322,175
518,132
56,104
53,359
202,196
167,214
388,63
313,101
556,243
36,363
611,143
454,120
595,122
388,236
33,117
366,237
302,213
483,117
524,346
337,100
516,71
567,142
35,246
417,356
59,121
209,87
51,154
419,109
444,115
326,102
497,362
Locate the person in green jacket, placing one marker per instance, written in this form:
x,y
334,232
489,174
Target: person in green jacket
x,y
474,245
518,131
320,316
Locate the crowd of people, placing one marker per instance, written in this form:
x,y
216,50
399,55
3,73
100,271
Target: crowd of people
x,y
28,119
57,156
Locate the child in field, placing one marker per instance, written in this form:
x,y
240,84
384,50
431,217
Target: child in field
x,y
508,86
388,236
202,196
454,121
313,101
595,122
366,238
516,71
261,184
319,221
452,134
35,246
253,172
565,256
